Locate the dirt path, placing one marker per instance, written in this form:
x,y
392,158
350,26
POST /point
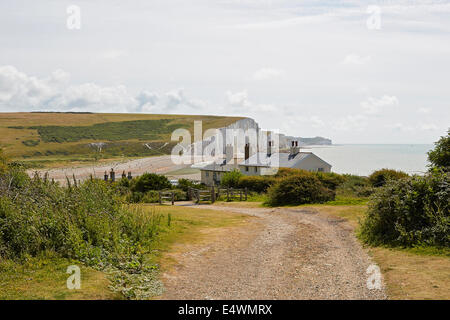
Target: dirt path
x,y
280,254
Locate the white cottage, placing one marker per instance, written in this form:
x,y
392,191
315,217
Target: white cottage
x,y
265,163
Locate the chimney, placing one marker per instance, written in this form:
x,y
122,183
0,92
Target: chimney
x,y
112,175
247,151
294,148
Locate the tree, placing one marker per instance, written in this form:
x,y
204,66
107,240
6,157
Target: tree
x,y
439,157
231,179
150,181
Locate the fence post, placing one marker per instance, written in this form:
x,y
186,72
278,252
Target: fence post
x,y
173,197
213,194
245,193
228,194
240,195
160,200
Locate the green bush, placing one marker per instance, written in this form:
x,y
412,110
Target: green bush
x,y
409,212
258,184
150,181
185,184
439,157
299,189
231,179
380,177
355,186
87,222
151,196
330,180
284,172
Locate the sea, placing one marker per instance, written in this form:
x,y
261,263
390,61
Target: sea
x,y
363,159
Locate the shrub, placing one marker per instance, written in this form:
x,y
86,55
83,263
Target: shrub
x,y
151,196
355,186
439,157
298,189
409,212
258,184
87,222
284,172
330,180
231,179
185,184
31,143
150,181
380,177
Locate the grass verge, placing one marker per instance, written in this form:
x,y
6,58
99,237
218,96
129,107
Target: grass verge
x,y
45,277
409,273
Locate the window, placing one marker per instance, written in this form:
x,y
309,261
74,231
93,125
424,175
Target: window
x,y
320,169
256,169
206,174
246,169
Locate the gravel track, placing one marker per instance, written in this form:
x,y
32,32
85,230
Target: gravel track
x,y
279,254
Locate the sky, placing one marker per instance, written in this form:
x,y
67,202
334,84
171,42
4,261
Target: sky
x,y
352,71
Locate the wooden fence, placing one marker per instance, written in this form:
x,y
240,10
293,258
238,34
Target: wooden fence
x,y
166,195
213,194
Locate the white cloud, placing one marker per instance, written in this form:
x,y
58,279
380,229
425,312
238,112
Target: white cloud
x,y
21,92
424,110
238,100
176,99
376,106
354,59
267,73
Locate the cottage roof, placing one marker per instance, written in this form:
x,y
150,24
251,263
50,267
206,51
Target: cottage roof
x,y
282,160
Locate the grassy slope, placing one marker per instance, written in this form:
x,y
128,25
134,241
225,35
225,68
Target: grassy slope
x,y
11,139
45,277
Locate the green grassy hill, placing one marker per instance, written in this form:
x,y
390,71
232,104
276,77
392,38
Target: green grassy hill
x,y
45,137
